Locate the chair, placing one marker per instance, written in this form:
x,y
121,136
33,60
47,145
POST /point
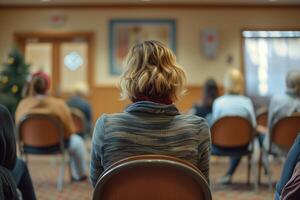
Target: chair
x,y
150,177
232,132
283,135
262,117
43,134
79,121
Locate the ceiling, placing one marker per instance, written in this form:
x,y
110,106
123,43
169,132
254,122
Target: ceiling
x,y
196,2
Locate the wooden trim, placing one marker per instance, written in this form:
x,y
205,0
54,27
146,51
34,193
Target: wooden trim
x,y
91,57
56,38
55,68
65,36
149,6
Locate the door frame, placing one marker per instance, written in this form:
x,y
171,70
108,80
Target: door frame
x,y
21,38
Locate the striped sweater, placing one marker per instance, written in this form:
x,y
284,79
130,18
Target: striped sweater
x,y
149,128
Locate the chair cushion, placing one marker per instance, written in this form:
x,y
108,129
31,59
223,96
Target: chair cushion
x,y
45,150
223,151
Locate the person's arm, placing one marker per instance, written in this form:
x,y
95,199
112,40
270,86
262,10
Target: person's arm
x,y
96,167
67,119
292,159
252,113
8,154
204,151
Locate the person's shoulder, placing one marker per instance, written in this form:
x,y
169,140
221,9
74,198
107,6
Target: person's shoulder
x,y
3,109
280,98
193,120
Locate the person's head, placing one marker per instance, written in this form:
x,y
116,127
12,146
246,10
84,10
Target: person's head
x,y
293,82
233,82
151,70
80,89
210,91
40,83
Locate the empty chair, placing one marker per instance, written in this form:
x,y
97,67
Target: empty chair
x,y
150,177
283,135
229,134
43,134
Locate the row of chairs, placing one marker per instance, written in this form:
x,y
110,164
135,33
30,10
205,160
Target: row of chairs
x,y
230,132
234,131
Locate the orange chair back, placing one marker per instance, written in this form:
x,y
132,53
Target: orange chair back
x,y
232,131
39,130
262,118
79,120
285,131
149,177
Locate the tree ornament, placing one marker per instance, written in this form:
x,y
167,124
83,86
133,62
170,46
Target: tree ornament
x,y
14,89
4,79
10,60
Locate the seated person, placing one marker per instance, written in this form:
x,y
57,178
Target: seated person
x,y
152,124
210,93
78,101
233,103
10,162
284,105
293,158
38,102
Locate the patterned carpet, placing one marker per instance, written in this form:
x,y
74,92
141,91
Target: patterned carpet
x,y
45,169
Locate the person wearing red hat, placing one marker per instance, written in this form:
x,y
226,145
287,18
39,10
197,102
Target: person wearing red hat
x,y
39,102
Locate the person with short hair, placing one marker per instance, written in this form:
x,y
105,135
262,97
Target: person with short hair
x,y
152,124
283,105
209,93
233,103
39,102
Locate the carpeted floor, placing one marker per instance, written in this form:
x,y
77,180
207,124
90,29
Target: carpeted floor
x,y
44,171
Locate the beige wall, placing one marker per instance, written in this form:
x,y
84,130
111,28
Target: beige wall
x,y
228,22
190,22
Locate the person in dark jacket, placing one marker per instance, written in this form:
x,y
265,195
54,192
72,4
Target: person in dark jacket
x,y
8,156
210,93
78,101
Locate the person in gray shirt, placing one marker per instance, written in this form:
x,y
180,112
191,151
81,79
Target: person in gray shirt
x,y
233,103
283,105
152,124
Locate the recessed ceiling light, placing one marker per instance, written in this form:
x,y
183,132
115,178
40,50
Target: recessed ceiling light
x,y
45,0
272,0
146,0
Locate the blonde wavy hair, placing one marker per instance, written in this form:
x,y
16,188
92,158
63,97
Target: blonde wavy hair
x,y
151,70
233,82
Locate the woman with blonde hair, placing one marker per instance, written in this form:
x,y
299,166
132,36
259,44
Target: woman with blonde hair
x,y
152,124
233,103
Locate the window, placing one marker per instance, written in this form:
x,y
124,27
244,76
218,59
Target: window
x,y
268,56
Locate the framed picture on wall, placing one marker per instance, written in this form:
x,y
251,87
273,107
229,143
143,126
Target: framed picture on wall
x,y
123,33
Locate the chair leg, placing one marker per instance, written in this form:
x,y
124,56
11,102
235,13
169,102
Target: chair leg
x,y
249,169
259,168
266,163
60,180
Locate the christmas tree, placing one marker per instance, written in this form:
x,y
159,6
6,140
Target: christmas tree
x,y
13,77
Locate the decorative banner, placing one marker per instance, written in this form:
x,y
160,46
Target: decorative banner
x,y
57,20
210,43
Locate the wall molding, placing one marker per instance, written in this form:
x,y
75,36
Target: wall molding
x,y
148,6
